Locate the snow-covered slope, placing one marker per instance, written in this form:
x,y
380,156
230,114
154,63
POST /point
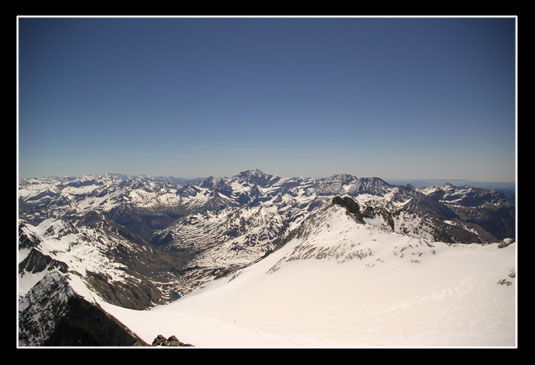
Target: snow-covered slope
x,y
340,283
137,241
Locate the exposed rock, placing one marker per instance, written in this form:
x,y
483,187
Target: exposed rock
x,y
506,242
172,341
350,205
27,239
425,205
86,324
37,262
373,212
499,220
160,340
52,314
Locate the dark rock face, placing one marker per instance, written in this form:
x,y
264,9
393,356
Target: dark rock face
x,y
143,222
368,212
351,206
497,220
132,295
172,341
372,212
85,324
425,205
453,234
489,209
52,314
41,308
37,262
27,240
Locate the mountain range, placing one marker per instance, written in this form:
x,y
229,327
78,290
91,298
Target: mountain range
x,y
90,243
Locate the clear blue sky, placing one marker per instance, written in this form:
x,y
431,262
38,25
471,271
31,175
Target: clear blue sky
x,y
394,98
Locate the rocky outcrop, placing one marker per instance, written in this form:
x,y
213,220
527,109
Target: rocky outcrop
x,y
37,262
172,341
53,314
27,239
506,242
374,212
368,212
86,324
350,205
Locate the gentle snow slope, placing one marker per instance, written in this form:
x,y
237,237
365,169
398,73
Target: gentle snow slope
x,y
448,296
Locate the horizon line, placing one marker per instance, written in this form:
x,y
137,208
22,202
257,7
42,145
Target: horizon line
x,y
394,180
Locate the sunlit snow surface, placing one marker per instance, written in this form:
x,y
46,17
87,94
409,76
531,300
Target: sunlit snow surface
x,y
348,285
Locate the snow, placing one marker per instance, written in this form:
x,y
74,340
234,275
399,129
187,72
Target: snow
x,y
79,190
426,190
80,287
139,196
34,187
377,221
105,203
82,251
23,253
168,198
449,298
27,280
369,200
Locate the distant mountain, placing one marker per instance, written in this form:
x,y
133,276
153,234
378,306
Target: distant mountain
x,y
138,242
507,189
179,180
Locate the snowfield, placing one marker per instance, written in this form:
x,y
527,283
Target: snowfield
x,y
405,292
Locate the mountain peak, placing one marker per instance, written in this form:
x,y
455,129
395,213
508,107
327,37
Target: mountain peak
x,y
447,186
253,172
342,177
210,182
257,177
